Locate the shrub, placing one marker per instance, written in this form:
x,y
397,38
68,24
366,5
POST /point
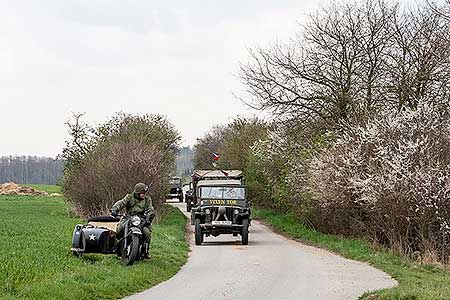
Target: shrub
x,y
232,142
388,179
205,146
119,153
279,163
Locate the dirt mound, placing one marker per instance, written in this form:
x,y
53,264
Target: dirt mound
x,y
11,188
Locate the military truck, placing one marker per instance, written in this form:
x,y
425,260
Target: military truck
x,y
222,206
199,175
176,189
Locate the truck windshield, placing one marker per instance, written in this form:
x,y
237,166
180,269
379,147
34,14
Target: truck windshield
x,y
232,193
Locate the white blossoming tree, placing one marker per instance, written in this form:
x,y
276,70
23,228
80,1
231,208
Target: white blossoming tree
x,y
389,179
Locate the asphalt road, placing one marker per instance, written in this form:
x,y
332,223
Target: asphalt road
x,y
270,267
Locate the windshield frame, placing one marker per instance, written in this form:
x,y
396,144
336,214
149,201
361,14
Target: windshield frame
x,y
241,196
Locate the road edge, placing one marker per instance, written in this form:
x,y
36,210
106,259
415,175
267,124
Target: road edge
x,y
368,295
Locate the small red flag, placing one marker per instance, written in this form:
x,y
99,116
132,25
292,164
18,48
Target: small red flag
x,y
216,156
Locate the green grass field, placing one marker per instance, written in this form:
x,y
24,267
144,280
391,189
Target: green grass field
x,y
36,262
416,281
46,188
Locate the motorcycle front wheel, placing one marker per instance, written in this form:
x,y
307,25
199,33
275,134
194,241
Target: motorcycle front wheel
x,y
131,252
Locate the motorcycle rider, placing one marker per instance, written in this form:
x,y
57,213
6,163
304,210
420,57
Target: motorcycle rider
x,y
137,203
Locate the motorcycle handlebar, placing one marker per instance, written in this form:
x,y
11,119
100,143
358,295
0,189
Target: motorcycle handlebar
x,y
148,218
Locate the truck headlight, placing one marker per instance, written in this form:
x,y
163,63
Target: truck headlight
x,y
135,221
207,211
236,211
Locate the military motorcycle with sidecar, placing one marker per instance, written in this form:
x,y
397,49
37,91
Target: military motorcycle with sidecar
x,y
99,236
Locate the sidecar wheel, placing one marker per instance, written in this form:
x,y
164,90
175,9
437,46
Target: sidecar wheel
x,y
130,254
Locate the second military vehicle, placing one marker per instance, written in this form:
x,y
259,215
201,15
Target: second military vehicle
x,y
176,189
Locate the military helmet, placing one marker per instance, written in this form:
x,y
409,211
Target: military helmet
x,y
140,188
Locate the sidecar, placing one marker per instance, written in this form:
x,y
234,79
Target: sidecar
x,y
97,236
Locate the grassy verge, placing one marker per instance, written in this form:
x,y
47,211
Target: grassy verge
x,y
416,281
36,263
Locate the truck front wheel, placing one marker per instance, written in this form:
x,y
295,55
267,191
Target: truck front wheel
x,y
198,232
244,232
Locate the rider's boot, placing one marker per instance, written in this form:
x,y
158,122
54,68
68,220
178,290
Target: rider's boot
x,y
146,254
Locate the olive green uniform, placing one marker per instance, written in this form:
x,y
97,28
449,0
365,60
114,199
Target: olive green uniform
x,y
134,206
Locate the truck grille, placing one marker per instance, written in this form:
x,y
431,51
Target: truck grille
x,y
215,212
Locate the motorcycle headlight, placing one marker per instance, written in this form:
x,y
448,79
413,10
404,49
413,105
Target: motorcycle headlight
x,y
236,211
207,211
136,221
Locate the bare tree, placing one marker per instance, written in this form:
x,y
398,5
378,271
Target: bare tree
x,y
419,60
353,59
330,71
442,10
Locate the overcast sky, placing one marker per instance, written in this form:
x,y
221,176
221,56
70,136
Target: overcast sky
x,y
176,58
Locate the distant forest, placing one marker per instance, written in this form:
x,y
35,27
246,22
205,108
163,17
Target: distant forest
x,y
45,170
30,169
